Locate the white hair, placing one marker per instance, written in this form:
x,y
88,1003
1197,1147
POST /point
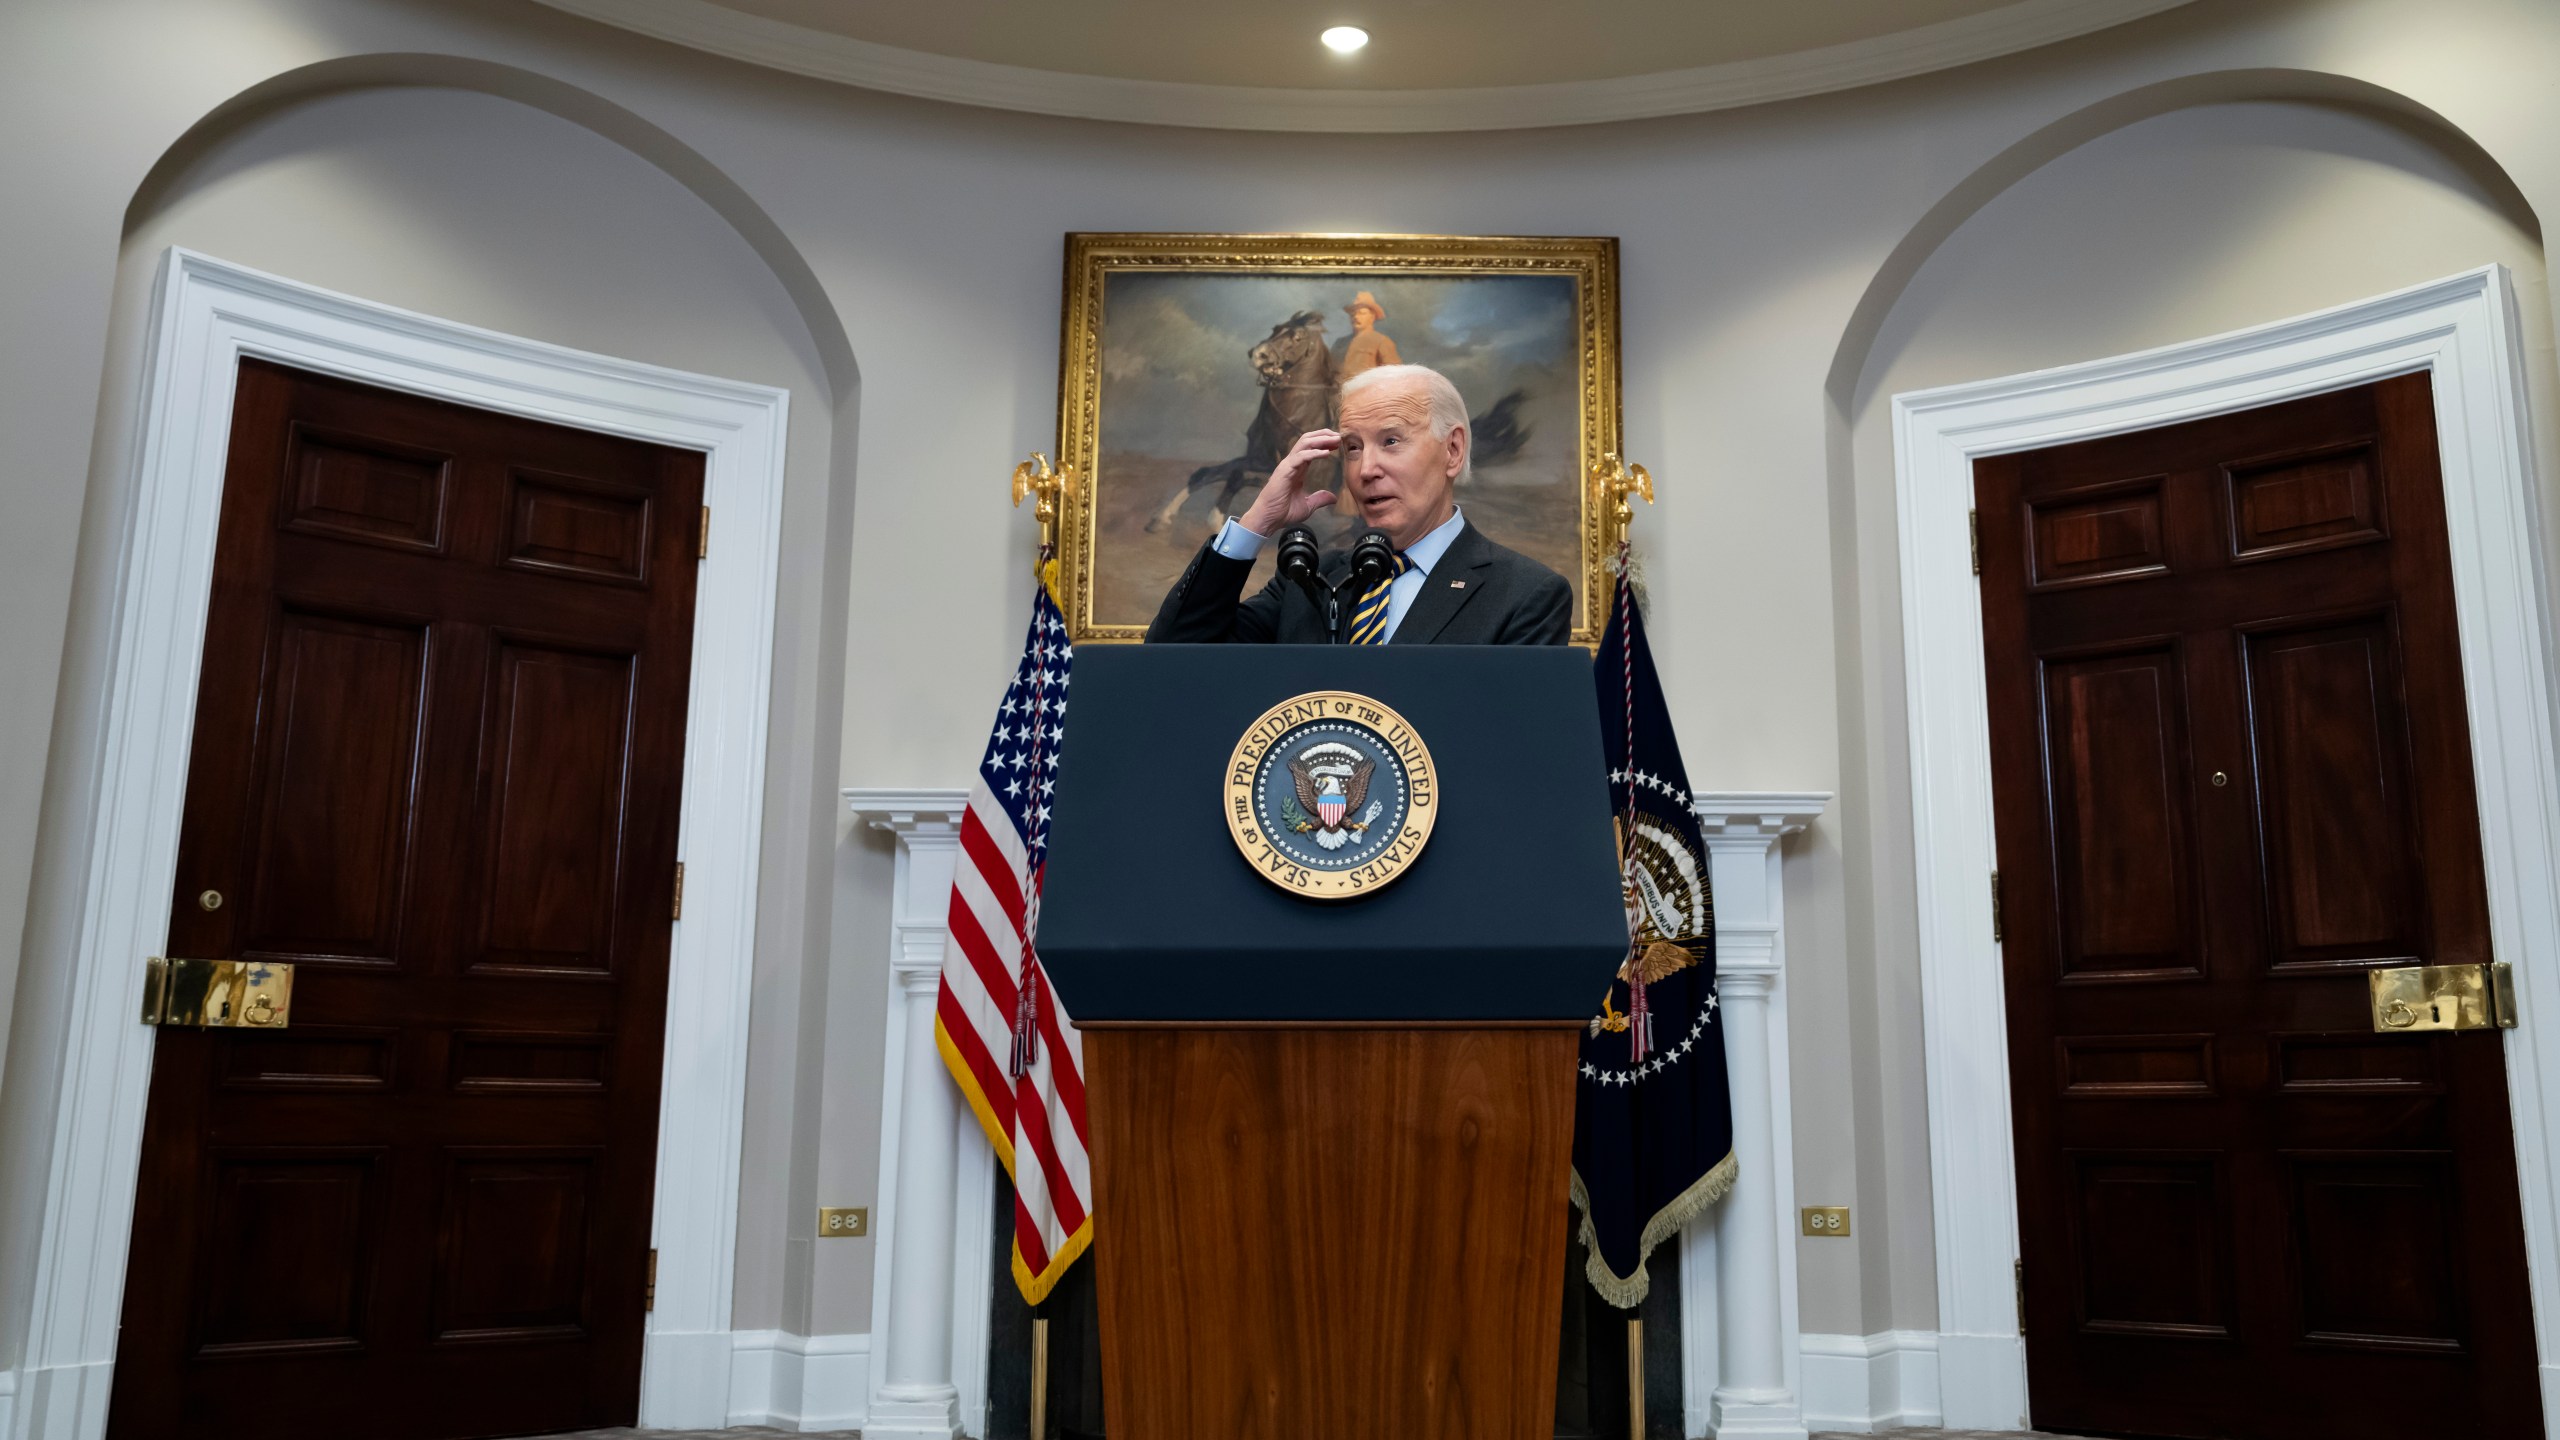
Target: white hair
x,y
1448,409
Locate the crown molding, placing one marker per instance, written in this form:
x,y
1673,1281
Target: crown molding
x,y
824,55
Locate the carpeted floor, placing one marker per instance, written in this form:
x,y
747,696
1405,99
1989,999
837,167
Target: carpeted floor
x,y
709,1434
1944,1435
858,1436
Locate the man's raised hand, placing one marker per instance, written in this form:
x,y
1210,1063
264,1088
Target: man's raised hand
x,y
1285,500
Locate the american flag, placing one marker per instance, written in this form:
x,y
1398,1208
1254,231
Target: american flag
x,y
1008,1044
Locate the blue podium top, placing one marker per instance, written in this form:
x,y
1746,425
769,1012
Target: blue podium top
x,y
1510,912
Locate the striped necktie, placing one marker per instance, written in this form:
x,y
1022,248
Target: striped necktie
x,y
1369,617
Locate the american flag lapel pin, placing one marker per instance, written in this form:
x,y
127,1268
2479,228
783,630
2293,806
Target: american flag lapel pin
x,y
1457,584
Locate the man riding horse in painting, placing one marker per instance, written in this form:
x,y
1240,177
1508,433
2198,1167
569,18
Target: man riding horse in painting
x,y
1301,382
1369,347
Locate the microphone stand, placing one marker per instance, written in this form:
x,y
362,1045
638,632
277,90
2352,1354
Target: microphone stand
x,y
1372,560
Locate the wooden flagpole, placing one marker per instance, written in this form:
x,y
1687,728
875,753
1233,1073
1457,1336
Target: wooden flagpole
x,y
1040,1377
1614,483
1034,480
1635,1378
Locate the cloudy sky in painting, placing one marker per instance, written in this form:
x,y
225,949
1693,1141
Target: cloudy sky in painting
x,y
1176,384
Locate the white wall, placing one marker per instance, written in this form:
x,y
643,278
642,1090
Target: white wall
x,y
780,229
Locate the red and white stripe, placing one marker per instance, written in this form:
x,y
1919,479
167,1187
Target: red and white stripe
x,y
1041,1114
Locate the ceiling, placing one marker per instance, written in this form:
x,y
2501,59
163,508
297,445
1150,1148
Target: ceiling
x,y
1430,64
1413,44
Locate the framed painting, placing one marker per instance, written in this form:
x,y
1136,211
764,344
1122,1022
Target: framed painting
x,y
1190,364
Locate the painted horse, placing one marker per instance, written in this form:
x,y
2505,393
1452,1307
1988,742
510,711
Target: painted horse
x,y
1294,366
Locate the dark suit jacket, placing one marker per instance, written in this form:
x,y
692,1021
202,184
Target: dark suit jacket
x,y
1479,594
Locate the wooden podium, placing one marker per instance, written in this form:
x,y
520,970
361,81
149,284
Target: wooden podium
x,y
1331,1142
1330,1231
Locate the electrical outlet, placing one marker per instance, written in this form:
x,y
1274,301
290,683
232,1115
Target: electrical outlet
x,y
1826,1220
843,1221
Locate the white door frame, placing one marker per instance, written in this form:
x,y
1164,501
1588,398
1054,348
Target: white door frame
x,y
2463,332
206,316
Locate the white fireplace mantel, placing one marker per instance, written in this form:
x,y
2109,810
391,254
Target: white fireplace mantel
x,y
1738,1270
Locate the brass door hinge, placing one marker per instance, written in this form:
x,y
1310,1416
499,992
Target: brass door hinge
x,y
1973,527
649,1294
2443,997
217,994
702,542
2018,1272
676,912
1995,907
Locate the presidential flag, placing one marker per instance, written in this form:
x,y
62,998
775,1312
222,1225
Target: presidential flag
x,y
998,1023
1653,1125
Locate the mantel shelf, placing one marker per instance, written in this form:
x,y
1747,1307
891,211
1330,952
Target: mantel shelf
x,y
1741,813
905,812
1730,811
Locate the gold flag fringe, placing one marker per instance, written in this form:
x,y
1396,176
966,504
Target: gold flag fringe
x,y
1628,1291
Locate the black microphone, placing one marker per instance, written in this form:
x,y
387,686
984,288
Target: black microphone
x,y
1298,560
1373,560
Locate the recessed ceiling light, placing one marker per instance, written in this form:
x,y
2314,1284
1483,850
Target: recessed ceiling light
x,y
1343,39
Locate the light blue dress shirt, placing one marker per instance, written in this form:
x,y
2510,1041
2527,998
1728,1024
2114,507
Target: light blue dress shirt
x,y
1237,543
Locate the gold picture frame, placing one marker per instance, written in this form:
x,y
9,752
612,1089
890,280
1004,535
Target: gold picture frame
x,y
1168,391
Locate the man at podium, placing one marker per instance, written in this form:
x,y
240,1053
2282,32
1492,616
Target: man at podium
x,y
1404,448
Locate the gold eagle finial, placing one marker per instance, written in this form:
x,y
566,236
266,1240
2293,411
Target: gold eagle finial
x,y
1612,481
1053,487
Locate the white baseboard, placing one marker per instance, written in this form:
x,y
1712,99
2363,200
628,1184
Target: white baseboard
x,y
684,1379
790,1382
799,1382
1865,1383
1982,1381
56,1402
1858,1383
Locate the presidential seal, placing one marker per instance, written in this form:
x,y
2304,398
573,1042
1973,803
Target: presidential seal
x,y
1331,795
1665,885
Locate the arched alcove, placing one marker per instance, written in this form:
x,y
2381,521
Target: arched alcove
x,y
682,163
2166,214
2053,142
494,196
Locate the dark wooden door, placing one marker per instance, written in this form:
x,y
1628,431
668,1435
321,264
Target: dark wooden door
x,y
2232,775
438,744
